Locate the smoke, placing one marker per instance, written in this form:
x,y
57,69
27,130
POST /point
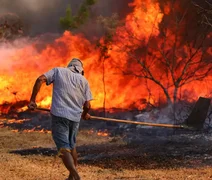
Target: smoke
x,y
8,51
41,16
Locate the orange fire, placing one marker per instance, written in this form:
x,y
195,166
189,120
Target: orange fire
x,y
19,68
103,133
32,130
4,123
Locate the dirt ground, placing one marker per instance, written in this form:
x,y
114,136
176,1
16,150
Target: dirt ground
x,y
129,155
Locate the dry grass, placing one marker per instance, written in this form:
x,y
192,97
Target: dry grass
x,y
108,162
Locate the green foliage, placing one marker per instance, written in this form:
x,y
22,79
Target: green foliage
x,y
90,2
67,21
70,21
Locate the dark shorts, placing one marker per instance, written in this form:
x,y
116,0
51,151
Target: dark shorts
x,y
64,133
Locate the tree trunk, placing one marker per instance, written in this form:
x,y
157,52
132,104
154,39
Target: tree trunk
x,y
174,102
104,86
199,113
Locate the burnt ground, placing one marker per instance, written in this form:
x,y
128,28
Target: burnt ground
x,y
127,147
190,151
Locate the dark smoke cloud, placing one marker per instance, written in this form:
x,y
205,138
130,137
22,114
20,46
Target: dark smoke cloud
x,y
42,16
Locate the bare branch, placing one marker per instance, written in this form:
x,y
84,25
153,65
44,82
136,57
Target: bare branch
x,y
205,12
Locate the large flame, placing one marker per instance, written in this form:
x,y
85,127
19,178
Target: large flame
x,y
19,68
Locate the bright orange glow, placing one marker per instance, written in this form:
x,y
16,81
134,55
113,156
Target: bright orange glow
x,y
34,130
19,68
104,133
11,121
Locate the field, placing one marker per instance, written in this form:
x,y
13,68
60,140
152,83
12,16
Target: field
x,y
124,156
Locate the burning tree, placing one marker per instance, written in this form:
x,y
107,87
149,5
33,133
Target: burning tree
x,y
104,45
172,54
11,27
157,45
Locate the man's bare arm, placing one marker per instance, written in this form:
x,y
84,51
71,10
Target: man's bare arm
x,y
86,108
40,80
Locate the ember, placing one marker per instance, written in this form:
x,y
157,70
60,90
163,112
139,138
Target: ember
x,y
27,125
99,132
40,131
103,133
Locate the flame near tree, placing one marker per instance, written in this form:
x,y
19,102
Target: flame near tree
x,y
170,59
171,55
156,48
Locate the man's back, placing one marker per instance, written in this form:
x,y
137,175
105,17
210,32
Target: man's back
x,y
70,91
71,100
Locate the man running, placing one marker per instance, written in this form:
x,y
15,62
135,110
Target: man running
x,y
70,102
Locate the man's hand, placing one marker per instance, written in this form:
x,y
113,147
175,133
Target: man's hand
x,y
32,105
86,108
86,116
40,80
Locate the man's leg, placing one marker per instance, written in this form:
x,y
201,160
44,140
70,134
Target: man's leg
x,y
74,156
69,164
60,134
72,140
